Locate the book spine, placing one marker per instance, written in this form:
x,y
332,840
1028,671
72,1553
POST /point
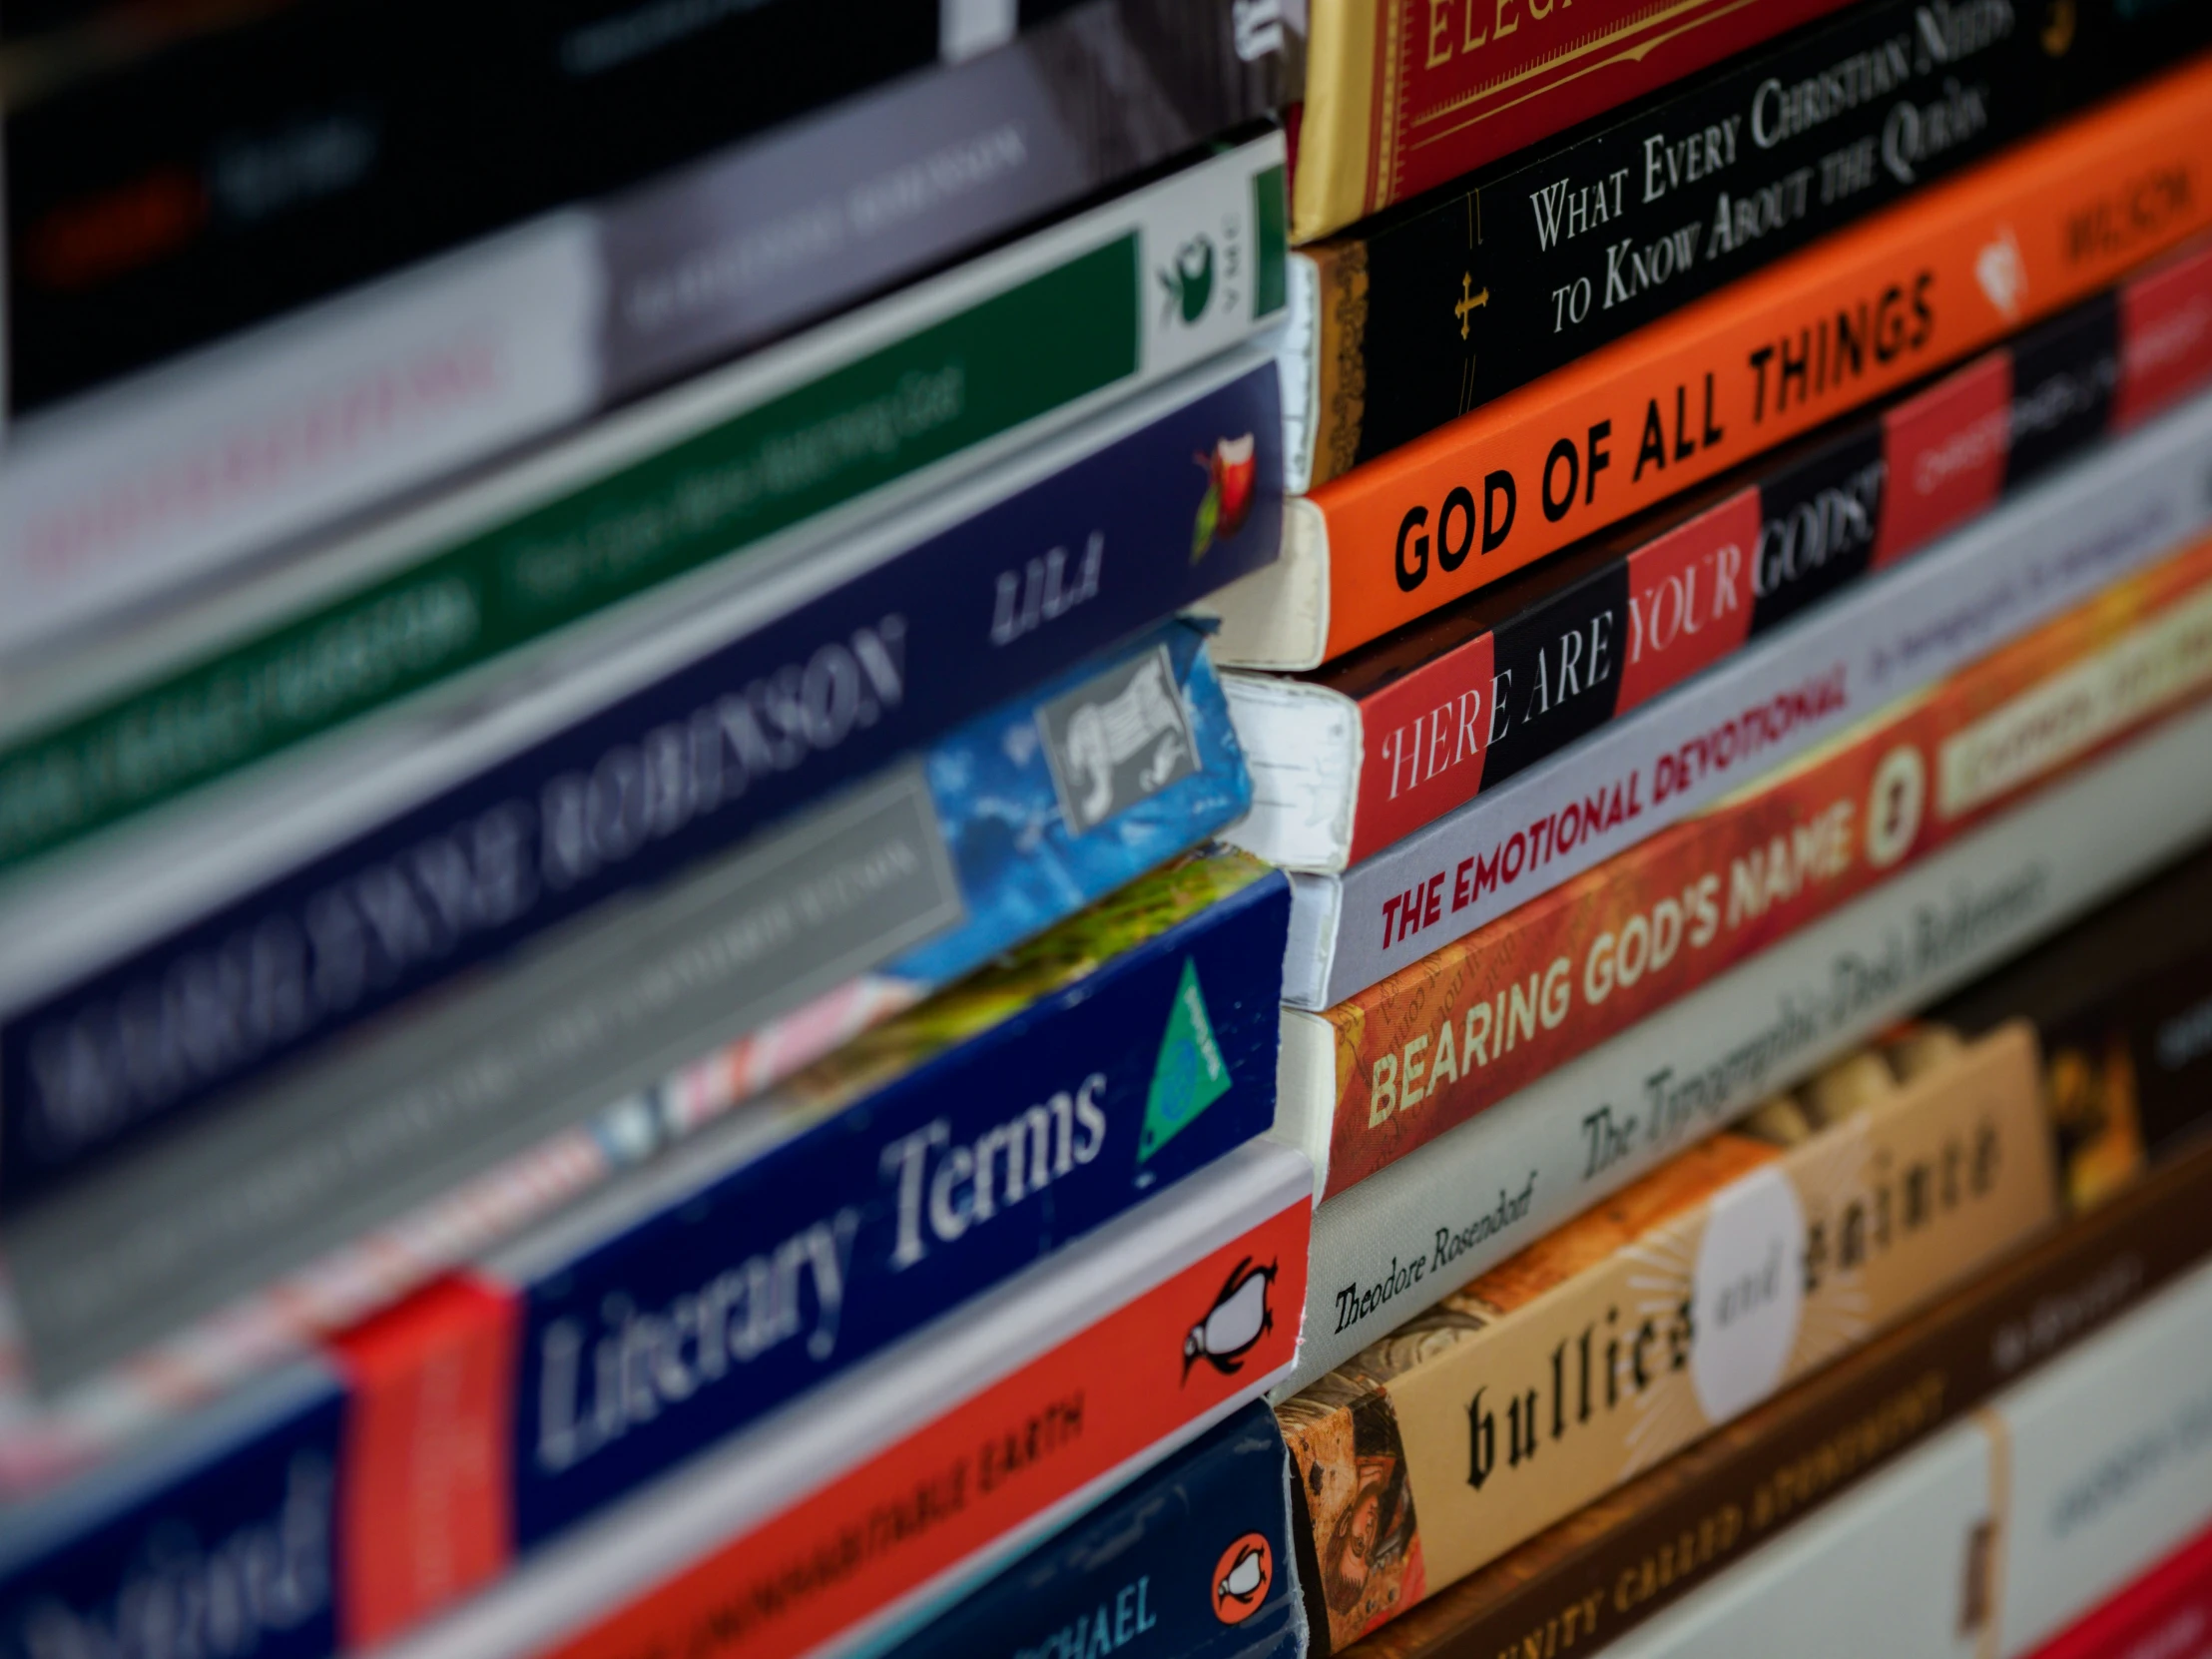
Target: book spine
x,y
942,376
2074,1527
1433,1045
1689,1299
232,1538
1401,98
281,158
945,1461
744,969
830,1530
947,1181
1419,1229
1743,1495
2005,1529
1535,265
985,611
1863,313
1805,529
1839,664
1198,1549
2165,1612
272,435
623,1352
300,153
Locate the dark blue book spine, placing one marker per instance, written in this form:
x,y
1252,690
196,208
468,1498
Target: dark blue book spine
x,y
223,1542
683,769
742,1290
1191,1560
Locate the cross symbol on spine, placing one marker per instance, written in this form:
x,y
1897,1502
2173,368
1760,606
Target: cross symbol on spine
x,y
1469,300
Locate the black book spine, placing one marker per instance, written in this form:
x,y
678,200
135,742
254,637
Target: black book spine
x,y
1473,292
236,174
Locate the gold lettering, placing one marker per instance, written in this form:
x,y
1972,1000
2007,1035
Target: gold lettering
x,y
1439,22
1503,28
1468,39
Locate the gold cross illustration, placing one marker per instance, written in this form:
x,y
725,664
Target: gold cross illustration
x,y
1469,300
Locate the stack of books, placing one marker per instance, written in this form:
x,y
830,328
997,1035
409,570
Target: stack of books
x,y
1240,828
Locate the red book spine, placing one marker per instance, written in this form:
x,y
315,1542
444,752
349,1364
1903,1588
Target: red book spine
x,y
2165,1614
1673,605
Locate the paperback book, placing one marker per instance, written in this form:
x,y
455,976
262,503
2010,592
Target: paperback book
x,y
119,511
983,1433
1861,315
2002,576
1739,1497
2127,1111
1436,1043
1357,756
1193,1558
169,1268
1411,1233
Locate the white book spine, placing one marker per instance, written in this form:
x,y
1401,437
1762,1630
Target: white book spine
x,y
189,469
1410,1235
2029,560
1999,1532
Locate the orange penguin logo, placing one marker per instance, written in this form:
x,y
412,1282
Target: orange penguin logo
x,y
1242,1578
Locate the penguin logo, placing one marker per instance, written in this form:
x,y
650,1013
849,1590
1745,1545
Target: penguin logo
x,y
1189,281
1242,1578
1239,1318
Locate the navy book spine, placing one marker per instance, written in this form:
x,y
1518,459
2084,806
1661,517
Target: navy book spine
x,y
258,1524
906,1204
1191,1560
936,633
225,1540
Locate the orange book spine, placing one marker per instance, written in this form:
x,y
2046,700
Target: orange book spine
x,y
987,1465
1435,1044
1858,315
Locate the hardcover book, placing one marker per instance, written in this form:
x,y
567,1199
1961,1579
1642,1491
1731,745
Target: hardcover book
x,y
1863,313
1682,1302
1450,302
1435,1044
1388,738
1400,97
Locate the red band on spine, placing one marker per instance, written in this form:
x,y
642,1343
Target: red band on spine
x,y
2165,337
1946,450
426,1485
1423,741
1689,599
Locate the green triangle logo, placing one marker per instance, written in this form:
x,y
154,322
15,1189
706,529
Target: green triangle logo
x,y
1189,1074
